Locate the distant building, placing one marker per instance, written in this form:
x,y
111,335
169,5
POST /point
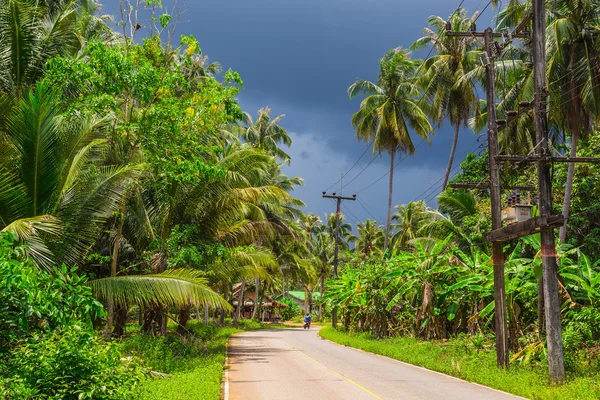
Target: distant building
x,y
299,298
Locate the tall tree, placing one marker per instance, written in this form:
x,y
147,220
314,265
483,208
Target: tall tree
x,y
265,133
408,221
369,241
389,112
442,75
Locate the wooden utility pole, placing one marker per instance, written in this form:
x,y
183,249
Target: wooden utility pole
x,y
502,351
337,242
548,251
502,355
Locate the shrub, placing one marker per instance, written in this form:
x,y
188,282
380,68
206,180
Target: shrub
x,y
291,312
68,363
32,300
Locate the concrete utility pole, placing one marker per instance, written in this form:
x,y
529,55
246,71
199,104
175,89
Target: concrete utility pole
x,y
548,251
337,242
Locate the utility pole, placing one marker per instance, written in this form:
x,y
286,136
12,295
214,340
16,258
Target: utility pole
x,y
337,242
502,355
548,251
502,351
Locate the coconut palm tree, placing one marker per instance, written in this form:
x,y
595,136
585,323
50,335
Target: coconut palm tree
x,y
33,32
344,233
54,194
323,253
369,241
573,71
574,75
442,75
265,133
409,219
389,113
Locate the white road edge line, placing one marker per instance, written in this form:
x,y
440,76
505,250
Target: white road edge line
x,y
425,369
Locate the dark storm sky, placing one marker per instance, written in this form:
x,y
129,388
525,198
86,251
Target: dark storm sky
x,y
299,57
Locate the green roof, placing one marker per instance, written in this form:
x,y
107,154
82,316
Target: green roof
x,y
300,295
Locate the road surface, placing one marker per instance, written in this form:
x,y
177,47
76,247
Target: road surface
x,y
291,364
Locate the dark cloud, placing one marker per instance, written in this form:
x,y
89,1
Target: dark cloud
x,y
299,57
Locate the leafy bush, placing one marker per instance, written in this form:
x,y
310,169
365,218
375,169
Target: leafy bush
x,y
69,363
32,300
291,312
47,344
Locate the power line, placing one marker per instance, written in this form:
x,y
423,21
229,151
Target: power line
x,y
353,165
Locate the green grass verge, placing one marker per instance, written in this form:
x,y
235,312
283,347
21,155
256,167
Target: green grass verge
x,y
461,359
193,365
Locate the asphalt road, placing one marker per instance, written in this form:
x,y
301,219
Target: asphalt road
x,y
290,364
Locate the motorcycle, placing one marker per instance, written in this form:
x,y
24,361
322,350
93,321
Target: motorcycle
x,y
306,325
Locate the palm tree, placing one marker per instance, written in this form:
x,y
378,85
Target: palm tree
x,y
265,133
32,33
344,232
53,194
323,253
573,71
389,112
409,219
450,96
370,239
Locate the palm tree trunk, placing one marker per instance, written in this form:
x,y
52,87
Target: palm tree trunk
x,y
389,213
562,236
321,297
451,159
240,301
184,317
256,302
110,307
206,314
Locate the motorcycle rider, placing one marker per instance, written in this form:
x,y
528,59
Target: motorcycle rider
x,y
307,320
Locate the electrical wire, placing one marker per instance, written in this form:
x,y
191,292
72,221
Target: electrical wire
x,y
352,167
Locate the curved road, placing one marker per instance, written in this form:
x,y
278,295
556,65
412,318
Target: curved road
x,y
291,364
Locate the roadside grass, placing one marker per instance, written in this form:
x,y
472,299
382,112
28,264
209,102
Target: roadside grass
x,y
190,367
463,359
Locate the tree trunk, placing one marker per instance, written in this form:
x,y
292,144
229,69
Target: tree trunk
x,y
240,305
256,301
206,314
110,306
451,159
321,297
389,213
184,317
120,321
562,236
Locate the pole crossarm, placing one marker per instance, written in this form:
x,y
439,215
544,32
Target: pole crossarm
x,y
524,228
327,196
480,185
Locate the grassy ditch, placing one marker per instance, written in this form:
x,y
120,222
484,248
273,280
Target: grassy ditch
x,y
184,367
470,360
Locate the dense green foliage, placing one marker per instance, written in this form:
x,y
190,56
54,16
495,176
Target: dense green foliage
x,y
48,346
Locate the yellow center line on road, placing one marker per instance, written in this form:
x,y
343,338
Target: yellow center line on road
x,y
364,389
